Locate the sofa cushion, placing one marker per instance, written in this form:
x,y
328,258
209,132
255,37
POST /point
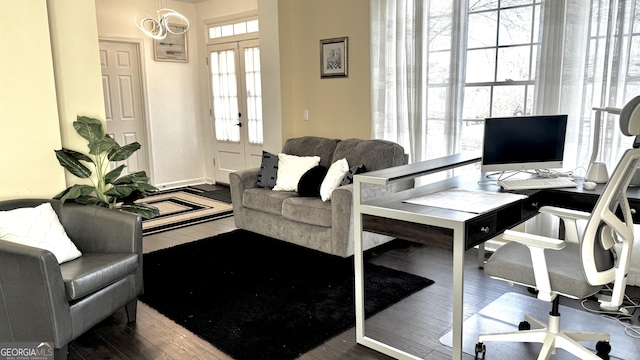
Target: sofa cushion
x,y
335,174
290,170
312,146
354,170
94,271
310,182
266,200
307,210
373,154
268,170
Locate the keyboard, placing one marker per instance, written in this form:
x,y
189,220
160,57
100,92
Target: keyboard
x,y
537,183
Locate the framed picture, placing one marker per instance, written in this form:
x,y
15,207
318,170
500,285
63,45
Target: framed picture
x,y
333,58
173,47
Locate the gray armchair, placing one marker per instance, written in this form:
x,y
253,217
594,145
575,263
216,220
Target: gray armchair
x,y
41,300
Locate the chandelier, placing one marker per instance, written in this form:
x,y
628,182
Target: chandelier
x,y
158,28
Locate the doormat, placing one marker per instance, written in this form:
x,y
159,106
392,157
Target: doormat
x,y
182,207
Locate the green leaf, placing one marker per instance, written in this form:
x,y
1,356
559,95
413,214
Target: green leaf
x,y
122,153
136,177
146,187
145,211
113,174
120,191
76,192
89,128
70,160
101,146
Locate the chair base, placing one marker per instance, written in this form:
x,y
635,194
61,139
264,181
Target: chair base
x,y
551,338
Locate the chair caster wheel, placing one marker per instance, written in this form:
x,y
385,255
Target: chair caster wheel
x,y
524,325
480,349
603,348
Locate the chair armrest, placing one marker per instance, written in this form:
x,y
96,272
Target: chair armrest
x,y
570,219
532,240
34,304
565,213
241,180
536,245
95,229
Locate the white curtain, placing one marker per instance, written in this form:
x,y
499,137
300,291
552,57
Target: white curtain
x,y
417,66
589,56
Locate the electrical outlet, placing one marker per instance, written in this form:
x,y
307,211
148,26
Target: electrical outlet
x,y
305,115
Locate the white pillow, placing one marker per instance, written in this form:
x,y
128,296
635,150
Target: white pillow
x,y
290,170
38,227
334,177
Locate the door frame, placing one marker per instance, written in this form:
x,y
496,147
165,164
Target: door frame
x,y
248,148
139,44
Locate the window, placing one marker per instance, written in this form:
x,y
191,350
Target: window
x,y
438,70
502,46
238,28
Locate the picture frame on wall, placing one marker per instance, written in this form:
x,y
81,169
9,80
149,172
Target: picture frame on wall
x,y
334,57
173,47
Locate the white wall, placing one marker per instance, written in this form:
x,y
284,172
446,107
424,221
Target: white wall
x,y
171,90
29,127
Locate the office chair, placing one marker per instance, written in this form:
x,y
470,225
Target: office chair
x,y
578,266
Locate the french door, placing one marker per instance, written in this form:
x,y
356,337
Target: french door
x,y
236,100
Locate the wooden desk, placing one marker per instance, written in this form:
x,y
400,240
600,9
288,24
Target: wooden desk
x,y
457,230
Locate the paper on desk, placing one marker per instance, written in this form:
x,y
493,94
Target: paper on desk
x,y
473,201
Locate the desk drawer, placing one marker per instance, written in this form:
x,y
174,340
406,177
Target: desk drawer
x,y
482,229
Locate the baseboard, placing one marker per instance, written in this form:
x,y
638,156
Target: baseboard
x,y
179,184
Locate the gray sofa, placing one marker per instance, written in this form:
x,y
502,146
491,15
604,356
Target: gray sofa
x,y
308,221
44,301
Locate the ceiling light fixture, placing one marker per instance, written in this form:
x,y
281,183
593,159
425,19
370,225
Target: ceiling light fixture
x,y
159,28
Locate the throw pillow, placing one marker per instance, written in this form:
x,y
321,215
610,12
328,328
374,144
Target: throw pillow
x,y
38,227
310,182
268,170
348,178
335,174
290,170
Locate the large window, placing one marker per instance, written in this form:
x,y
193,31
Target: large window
x,y
440,67
502,48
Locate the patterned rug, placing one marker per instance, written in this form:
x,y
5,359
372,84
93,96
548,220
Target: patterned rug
x,y
183,207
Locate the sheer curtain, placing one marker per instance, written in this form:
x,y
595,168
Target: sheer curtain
x,y
589,54
418,52
588,57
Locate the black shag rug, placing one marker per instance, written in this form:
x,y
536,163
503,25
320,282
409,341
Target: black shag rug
x,y
254,297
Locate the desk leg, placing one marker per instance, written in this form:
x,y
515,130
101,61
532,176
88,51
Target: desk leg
x,y
458,292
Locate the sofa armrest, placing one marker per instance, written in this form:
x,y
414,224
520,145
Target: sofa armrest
x,y
33,305
95,229
342,203
241,180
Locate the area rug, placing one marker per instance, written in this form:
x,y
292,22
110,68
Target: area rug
x,y
505,313
223,195
183,207
254,297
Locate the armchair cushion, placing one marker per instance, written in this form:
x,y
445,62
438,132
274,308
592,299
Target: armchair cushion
x,y
38,227
94,271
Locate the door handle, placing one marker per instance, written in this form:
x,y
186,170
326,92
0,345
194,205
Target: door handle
x,y
239,124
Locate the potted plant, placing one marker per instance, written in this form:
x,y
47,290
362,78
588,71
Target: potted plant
x,y
108,188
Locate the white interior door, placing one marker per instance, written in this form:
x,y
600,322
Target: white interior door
x,y
236,100
122,86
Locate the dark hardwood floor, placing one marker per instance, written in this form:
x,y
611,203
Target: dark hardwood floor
x,y
414,324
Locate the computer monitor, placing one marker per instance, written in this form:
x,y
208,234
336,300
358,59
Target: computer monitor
x,y
523,143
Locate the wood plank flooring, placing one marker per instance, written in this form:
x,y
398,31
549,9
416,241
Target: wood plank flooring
x,y
414,324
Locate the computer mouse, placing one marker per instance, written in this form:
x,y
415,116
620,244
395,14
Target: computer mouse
x,y
589,185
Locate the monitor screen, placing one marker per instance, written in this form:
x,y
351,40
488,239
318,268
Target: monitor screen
x,y
523,143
